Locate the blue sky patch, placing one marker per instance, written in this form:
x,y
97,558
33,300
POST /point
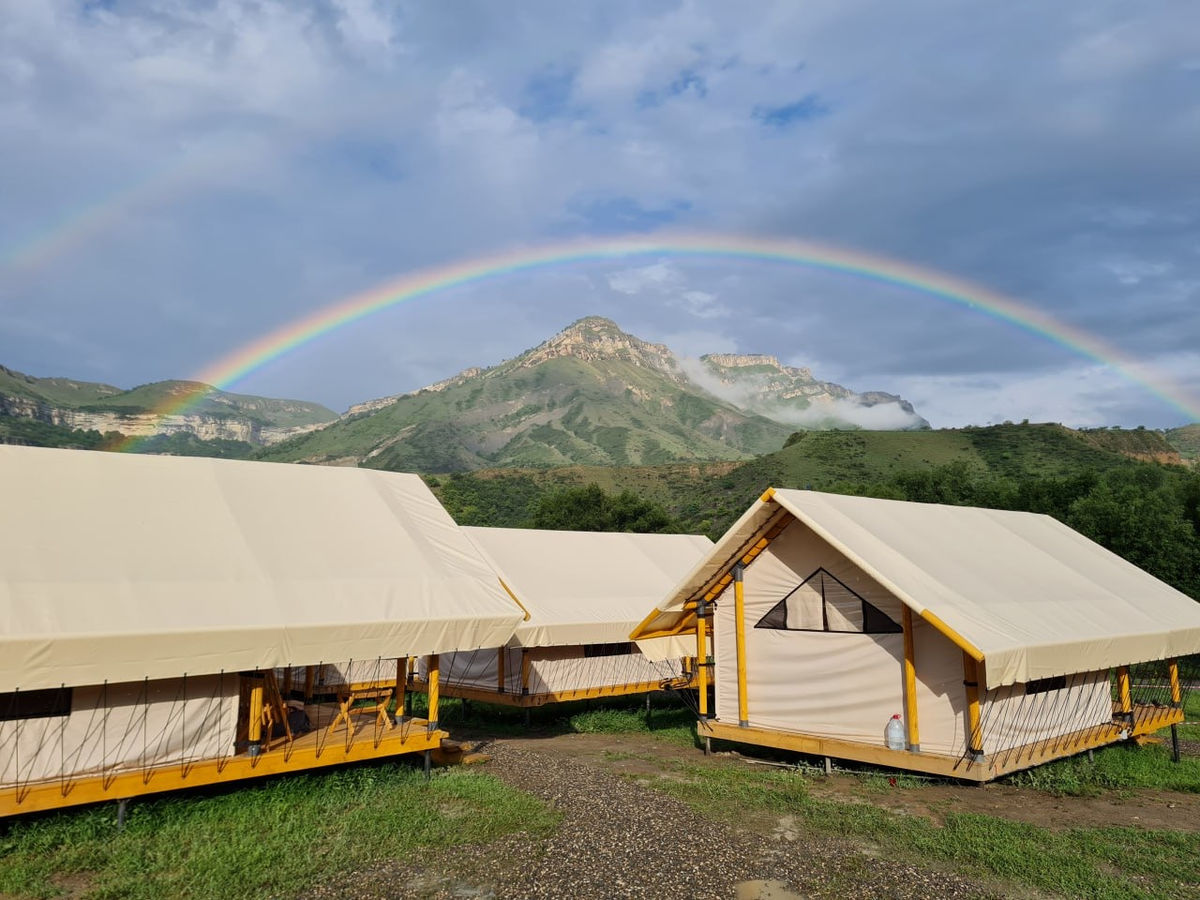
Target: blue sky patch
x,y
807,108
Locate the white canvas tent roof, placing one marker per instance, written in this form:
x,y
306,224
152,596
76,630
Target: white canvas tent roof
x,y
1035,598
117,567
589,587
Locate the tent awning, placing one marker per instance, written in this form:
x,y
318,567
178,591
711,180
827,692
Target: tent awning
x,y
119,567
587,587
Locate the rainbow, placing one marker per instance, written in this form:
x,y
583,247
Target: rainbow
x,y
252,356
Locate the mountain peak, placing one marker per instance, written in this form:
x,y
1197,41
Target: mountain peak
x,y
595,338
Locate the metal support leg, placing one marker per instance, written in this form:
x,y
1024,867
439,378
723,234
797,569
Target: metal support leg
x,y
1174,743
527,717
708,746
122,811
1091,756
828,766
428,763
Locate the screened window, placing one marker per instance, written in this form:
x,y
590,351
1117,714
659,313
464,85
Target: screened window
x,y
823,603
590,650
1043,685
43,704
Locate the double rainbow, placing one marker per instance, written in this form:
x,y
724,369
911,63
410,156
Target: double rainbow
x,y
246,359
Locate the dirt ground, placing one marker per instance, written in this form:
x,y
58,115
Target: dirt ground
x,y
619,837
641,754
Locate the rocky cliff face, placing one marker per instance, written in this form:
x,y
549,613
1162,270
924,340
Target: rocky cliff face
x,y
792,395
211,415
205,427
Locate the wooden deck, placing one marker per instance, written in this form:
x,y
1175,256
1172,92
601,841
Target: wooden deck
x,y
317,749
1146,720
512,698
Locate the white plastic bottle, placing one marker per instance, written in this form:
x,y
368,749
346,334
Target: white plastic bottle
x,y
893,734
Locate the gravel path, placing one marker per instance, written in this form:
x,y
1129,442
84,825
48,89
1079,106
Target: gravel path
x,y
618,839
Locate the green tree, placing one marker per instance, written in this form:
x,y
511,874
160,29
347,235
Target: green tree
x,y
592,509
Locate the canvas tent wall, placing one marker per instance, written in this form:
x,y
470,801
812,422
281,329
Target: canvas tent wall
x,y
993,634
583,592
140,586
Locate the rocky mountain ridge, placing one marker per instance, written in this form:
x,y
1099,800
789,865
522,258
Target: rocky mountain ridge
x,y
211,414
591,394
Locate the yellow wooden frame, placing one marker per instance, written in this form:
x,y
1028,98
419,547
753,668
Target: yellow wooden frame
x,y
306,752
965,766
524,701
912,731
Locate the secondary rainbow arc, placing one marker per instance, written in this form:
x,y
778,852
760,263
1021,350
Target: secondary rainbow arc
x,y
251,356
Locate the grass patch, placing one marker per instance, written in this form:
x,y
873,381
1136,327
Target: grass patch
x,y
669,719
269,838
1116,768
1101,863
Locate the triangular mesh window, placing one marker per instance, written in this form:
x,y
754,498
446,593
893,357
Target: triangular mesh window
x,y
821,602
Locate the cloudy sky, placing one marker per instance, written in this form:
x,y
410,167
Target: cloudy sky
x,y
179,178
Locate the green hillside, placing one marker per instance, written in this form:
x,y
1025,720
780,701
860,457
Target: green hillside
x,y
90,396
61,392
1146,511
1186,440
167,394
708,496
543,412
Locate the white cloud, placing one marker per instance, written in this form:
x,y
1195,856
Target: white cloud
x,y
235,148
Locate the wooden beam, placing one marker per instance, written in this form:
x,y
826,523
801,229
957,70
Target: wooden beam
x,y
401,687
1124,692
305,752
955,638
971,683
508,591
256,713
983,769
701,662
310,678
431,679
485,694
739,612
910,683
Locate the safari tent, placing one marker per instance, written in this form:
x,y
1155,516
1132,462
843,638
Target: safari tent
x,y
148,602
1001,639
582,593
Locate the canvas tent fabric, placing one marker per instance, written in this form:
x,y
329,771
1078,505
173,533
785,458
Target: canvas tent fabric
x,y
1033,597
825,656
589,587
119,568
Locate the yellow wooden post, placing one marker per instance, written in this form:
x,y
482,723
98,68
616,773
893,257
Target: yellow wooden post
x,y
500,669
971,682
910,684
310,676
739,612
1173,674
287,684
401,687
256,715
1124,692
431,680
701,660
524,671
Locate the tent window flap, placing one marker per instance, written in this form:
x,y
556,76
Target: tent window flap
x,y
822,602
